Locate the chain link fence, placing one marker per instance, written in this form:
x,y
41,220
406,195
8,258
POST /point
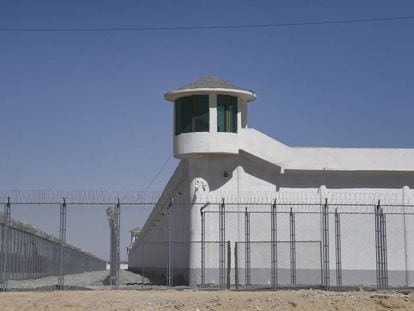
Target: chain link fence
x,y
44,242
224,240
30,253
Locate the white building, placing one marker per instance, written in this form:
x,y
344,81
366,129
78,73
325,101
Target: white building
x,y
223,159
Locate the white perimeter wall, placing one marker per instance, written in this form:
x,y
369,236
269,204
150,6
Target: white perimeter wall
x,y
253,180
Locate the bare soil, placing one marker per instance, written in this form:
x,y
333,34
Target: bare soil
x,y
205,300
86,280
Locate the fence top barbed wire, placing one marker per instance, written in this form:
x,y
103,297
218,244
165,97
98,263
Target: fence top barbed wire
x,y
79,197
310,197
314,197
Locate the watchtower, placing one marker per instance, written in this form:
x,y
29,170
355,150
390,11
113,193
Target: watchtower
x,y
208,116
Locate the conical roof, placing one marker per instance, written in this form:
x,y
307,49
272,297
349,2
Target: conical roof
x,y
210,83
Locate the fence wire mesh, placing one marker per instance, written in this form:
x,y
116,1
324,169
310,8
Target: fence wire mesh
x,y
28,253
220,240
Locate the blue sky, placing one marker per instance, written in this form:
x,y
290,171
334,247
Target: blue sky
x,y
86,110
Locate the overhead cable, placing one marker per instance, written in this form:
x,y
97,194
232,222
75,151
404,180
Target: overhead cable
x,y
208,27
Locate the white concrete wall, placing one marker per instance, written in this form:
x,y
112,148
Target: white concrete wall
x,y
253,180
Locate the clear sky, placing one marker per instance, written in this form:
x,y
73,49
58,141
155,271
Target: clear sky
x,y
86,110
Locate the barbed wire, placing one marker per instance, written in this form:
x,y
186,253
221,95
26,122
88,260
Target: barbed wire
x,y
79,197
310,197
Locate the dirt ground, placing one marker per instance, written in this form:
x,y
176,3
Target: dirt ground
x,y
205,300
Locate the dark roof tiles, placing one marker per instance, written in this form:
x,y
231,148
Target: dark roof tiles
x,y
210,82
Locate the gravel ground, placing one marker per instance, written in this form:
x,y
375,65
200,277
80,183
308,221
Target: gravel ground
x,y
205,300
39,295
86,280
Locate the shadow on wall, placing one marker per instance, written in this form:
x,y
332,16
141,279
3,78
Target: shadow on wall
x,y
331,179
334,180
158,276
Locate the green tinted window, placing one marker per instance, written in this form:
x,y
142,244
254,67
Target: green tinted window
x,y
177,112
232,114
201,113
192,114
221,113
226,113
186,114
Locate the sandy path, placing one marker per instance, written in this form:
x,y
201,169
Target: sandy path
x,y
205,300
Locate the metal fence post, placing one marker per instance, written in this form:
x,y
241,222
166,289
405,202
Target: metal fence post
x,y
377,249
228,264
384,248
203,250
118,242
404,202
292,248
12,240
109,212
222,244
236,266
62,239
247,258
170,246
114,220
338,248
17,252
6,245
12,266
378,246
325,245
274,245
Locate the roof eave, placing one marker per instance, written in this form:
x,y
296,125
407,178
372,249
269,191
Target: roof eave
x,y
247,95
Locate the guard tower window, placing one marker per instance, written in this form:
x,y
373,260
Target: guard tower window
x,y
226,113
192,114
